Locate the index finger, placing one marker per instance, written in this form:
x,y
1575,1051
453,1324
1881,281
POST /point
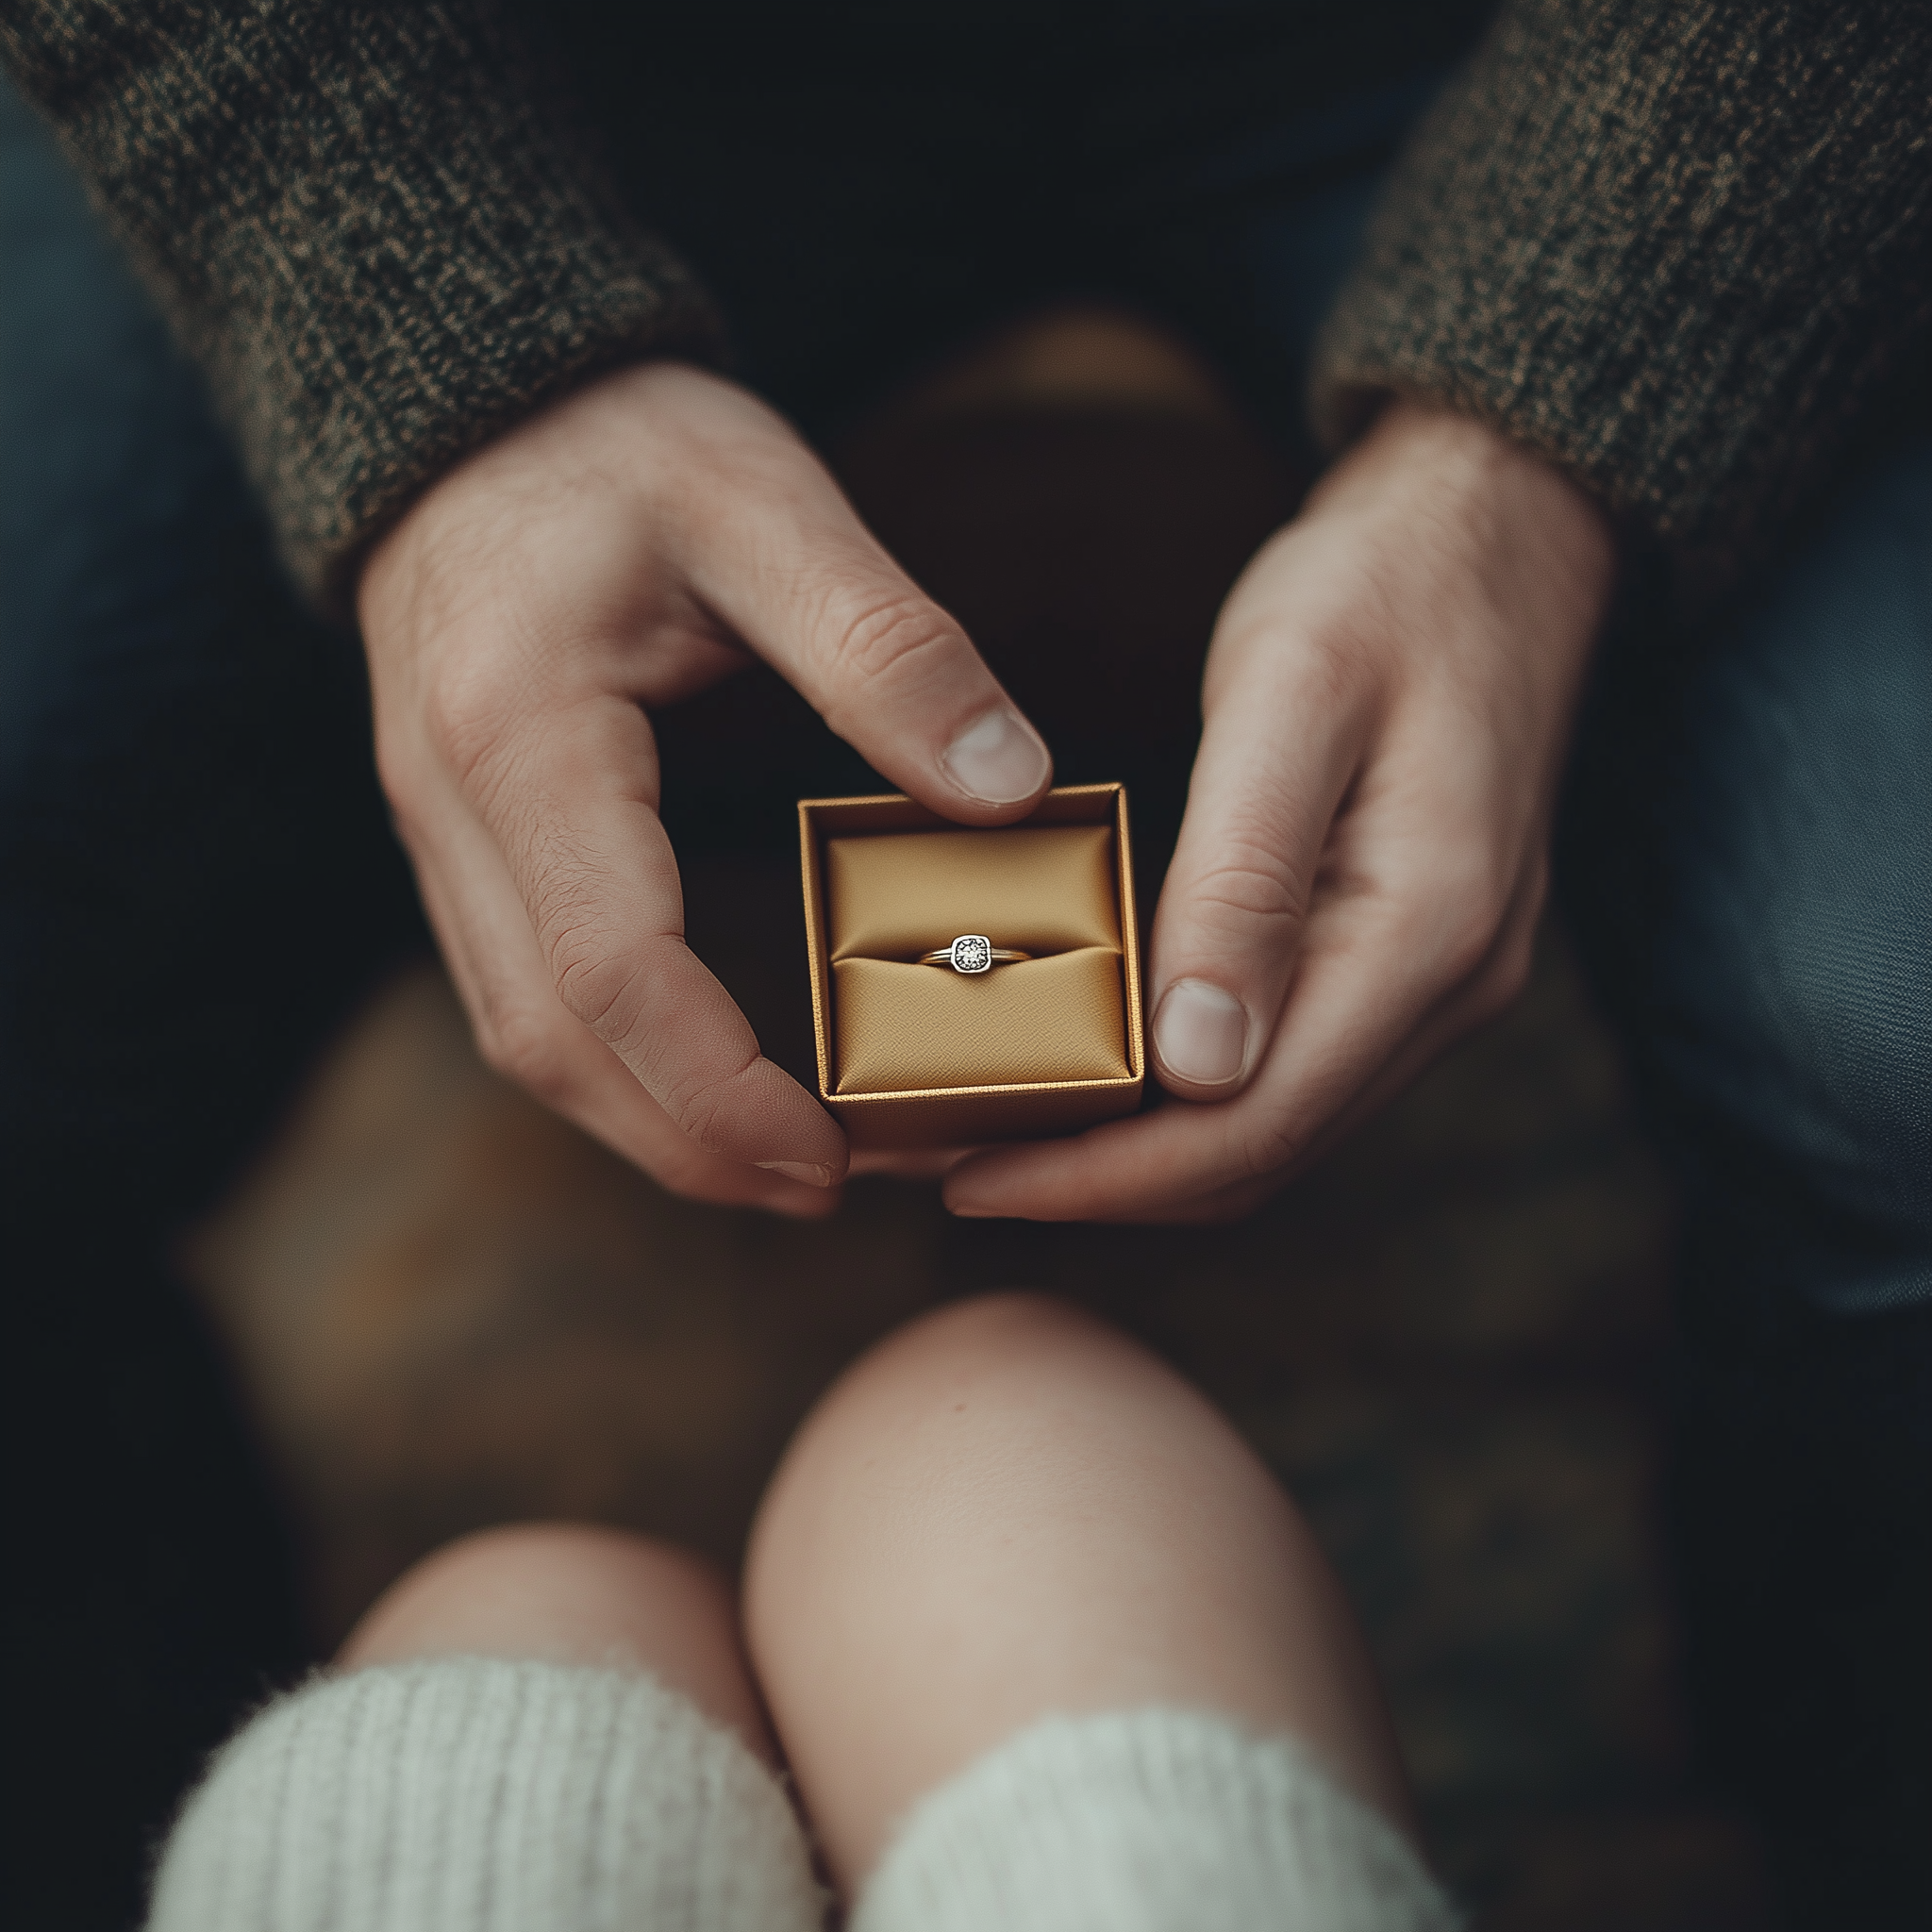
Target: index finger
x,y
796,575
570,797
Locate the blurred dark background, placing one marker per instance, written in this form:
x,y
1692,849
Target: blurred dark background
x,y
1450,1339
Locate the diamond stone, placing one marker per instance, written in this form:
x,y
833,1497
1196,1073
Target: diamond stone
x,y
972,953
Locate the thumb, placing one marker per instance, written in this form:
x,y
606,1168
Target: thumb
x,y
808,588
1275,758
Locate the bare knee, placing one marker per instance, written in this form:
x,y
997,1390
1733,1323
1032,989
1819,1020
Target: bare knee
x,y
1010,1509
571,1593
1010,1347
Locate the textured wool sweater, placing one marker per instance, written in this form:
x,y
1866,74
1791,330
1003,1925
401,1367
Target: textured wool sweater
x,y
1679,246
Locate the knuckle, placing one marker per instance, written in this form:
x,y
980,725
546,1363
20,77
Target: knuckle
x,y
607,994
1244,889
698,1108
1338,655
525,1046
1249,875
607,974
468,715
890,641
595,982
1331,660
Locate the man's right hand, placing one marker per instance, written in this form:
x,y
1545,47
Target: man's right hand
x,y
622,549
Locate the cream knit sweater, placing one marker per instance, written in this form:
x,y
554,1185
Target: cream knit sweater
x,y
473,1795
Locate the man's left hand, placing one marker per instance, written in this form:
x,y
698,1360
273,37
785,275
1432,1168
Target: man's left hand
x,y
1366,847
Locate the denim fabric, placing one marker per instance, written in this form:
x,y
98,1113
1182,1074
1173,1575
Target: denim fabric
x,y
1757,892
1747,862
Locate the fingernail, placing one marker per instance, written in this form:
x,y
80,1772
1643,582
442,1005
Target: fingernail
x,y
1200,1033
805,1171
997,759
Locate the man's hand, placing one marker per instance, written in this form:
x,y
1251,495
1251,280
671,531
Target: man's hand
x,y
1365,850
621,550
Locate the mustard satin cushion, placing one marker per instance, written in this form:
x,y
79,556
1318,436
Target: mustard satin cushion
x,y
1050,890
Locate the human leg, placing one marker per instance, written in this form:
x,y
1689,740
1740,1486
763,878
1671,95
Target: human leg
x,y
1748,865
570,1592
1008,1513
549,1724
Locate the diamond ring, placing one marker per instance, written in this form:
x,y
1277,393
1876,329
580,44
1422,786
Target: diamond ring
x,y
972,952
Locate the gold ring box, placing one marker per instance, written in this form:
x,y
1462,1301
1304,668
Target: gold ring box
x,y
917,1056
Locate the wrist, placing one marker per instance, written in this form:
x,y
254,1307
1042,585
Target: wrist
x,y
1489,493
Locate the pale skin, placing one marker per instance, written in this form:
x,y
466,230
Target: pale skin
x,y
1387,701
1007,1511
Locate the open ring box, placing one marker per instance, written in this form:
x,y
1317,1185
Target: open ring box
x,y
921,1056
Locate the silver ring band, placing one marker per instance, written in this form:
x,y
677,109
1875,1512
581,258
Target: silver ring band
x,y
972,952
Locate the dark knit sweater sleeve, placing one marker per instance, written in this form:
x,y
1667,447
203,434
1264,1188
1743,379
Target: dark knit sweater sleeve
x,y
1675,246
367,223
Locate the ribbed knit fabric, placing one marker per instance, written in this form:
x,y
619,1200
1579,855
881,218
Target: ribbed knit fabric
x,y
1148,1821
475,1794
1674,244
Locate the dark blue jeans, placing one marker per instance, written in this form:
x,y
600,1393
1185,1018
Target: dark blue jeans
x,y
200,884
1748,862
